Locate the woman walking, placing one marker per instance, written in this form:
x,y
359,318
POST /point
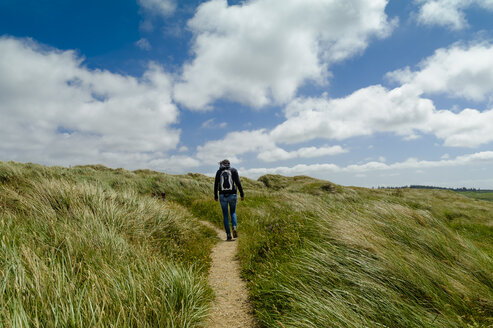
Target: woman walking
x,y
226,183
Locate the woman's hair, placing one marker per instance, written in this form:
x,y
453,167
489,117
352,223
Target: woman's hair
x,y
224,163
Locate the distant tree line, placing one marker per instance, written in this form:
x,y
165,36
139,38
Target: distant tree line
x,y
441,188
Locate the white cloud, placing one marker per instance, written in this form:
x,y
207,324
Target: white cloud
x,y
174,164
261,51
366,111
278,154
143,44
235,144
300,169
56,111
485,157
162,7
412,163
403,111
458,71
469,128
448,13
211,124
376,109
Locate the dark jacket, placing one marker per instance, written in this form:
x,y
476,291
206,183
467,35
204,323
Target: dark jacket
x,y
236,183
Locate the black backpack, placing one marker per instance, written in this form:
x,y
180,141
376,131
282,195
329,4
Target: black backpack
x,y
226,180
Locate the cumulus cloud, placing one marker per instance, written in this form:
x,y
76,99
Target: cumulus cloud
x,y
278,154
448,13
174,164
457,71
403,111
261,51
479,158
162,7
376,109
56,111
469,128
235,144
366,111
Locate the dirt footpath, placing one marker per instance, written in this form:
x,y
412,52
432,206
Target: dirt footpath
x,y
232,307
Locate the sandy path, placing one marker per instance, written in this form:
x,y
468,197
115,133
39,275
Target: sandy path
x,y
232,307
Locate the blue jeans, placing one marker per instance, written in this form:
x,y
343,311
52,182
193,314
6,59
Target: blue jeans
x,y
230,200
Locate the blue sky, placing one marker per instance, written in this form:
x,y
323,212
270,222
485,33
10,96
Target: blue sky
x,y
358,92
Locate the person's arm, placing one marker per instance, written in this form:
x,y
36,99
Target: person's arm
x,y
216,185
236,179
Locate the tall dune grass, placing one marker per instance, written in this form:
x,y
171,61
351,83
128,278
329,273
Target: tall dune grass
x,y
80,254
88,246
319,255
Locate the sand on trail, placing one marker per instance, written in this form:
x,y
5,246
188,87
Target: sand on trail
x,y
232,307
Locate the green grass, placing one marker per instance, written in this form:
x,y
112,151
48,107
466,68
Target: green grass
x,y
319,255
482,195
88,246
77,250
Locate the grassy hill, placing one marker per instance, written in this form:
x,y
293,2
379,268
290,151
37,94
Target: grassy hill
x,y
89,246
483,195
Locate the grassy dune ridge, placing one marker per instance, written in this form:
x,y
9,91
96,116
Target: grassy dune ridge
x,y
88,246
483,195
320,255
368,258
83,247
